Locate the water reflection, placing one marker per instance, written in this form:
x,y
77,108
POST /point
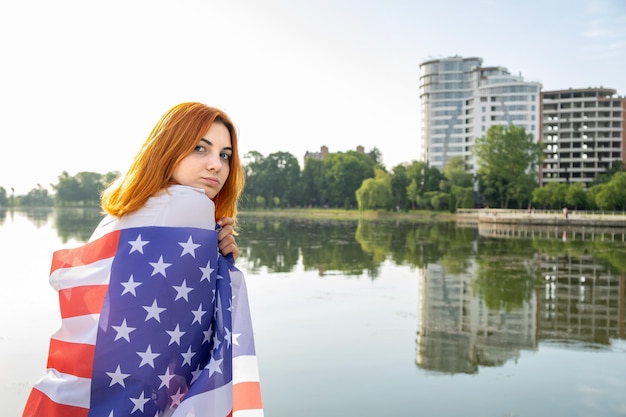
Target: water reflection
x,y
76,223
485,295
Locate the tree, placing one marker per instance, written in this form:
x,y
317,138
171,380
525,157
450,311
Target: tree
x,y
612,195
344,173
508,159
458,184
375,193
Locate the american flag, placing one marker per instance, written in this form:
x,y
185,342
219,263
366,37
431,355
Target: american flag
x,y
155,322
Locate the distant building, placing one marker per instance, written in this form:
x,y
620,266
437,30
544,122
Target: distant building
x,y
582,133
324,152
461,99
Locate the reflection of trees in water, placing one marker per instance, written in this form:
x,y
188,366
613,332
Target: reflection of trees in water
x,y
3,215
38,215
351,247
506,273
76,223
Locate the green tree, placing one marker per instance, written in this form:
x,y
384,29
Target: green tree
x,y
576,196
4,198
612,195
399,184
344,174
37,197
375,193
458,184
312,183
508,158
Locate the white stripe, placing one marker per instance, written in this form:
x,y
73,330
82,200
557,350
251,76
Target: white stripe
x,y
79,329
96,273
249,413
214,403
245,369
65,388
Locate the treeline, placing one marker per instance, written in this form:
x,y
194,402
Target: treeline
x,y
507,178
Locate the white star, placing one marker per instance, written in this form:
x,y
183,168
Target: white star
x,y
123,331
177,398
206,271
189,247
159,267
147,357
130,285
195,374
207,333
227,336
182,291
139,402
153,311
187,356
235,338
216,340
214,366
197,314
175,335
117,377
166,378
137,244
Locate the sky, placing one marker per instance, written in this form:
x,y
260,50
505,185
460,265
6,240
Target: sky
x,y
82,83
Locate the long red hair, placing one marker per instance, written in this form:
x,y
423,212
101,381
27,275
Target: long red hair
x,y
174,137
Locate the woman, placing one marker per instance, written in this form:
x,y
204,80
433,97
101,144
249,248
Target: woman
x,y
154,321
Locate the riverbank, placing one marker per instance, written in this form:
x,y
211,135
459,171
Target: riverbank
x,y
339,214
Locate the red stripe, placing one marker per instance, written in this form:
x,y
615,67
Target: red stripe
x,y
102,248
247,396
40,405
80,301
71,358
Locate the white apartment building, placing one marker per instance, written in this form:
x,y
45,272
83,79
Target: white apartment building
x,y
460,99
582,133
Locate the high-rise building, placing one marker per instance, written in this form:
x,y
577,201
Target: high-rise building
x,y
582,133
460,99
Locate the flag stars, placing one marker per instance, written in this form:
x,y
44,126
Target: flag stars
x,y
154,311
177,398
147,357
214,366
189,247
130,286
197,314
137,245
159,267
166,378
182,291
123,331
175,335
187,356
139,402
207,271
117,377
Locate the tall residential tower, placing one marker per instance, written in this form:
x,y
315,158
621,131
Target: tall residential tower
x,y
460,99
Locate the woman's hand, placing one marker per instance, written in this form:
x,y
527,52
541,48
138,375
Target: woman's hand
x,y
226,237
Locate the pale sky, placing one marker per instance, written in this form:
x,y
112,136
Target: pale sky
x,y
83,82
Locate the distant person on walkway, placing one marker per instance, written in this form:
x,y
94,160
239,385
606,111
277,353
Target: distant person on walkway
x,y
565,212
155,316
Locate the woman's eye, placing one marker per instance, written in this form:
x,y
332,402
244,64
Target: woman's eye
x,y
225,156
200,148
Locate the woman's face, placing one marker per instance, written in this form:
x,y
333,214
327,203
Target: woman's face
x,y
208,165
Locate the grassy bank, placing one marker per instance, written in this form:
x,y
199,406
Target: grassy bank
x,y
338,214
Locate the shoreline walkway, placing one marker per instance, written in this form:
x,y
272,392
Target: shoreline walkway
x,y
541,217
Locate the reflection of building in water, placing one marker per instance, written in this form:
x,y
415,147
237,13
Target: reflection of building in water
x,y
580,300
458,333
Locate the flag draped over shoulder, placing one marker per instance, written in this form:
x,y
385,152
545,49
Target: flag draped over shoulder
x,y
155,322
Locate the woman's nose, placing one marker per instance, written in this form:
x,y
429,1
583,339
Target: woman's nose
x,y
213,161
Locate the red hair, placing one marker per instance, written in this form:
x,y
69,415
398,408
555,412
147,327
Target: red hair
x,y
173,138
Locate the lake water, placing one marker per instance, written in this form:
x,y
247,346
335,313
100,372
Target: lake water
x,y
376,318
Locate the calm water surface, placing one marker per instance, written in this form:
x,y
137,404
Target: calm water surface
x,y
378,318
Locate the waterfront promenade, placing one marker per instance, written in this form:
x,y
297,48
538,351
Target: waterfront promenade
x,y
542,217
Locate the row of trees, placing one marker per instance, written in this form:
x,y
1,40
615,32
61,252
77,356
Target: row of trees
x,y
508,159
